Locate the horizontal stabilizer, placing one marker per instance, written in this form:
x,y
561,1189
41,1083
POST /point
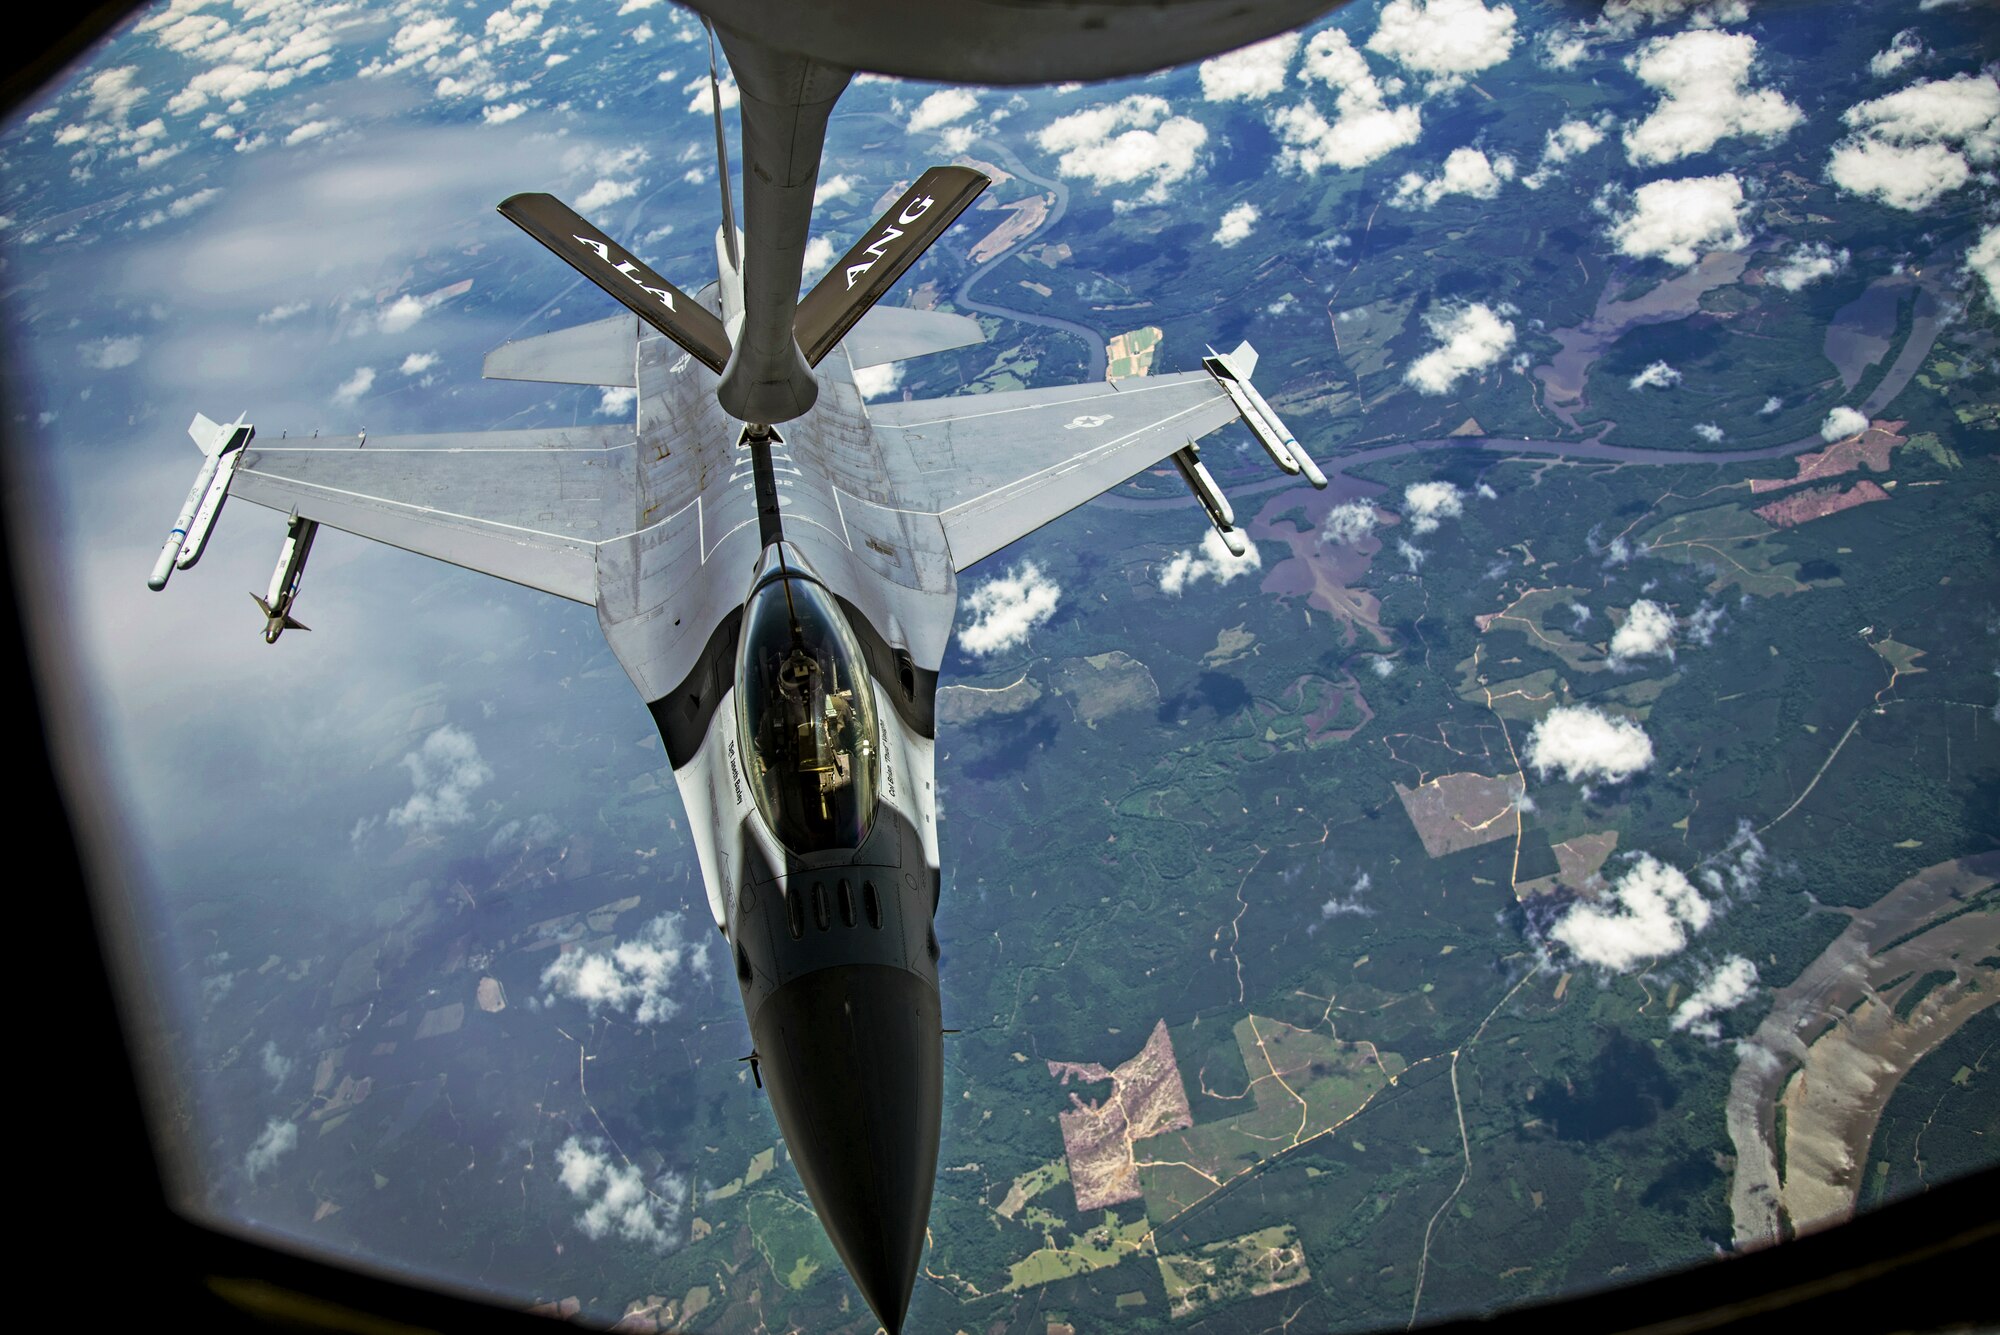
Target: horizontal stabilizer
x,y
603,353
897,333
884,254
613,268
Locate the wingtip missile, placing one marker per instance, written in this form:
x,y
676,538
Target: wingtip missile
x,y
276,604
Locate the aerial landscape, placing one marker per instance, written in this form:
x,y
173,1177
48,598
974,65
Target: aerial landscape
x,y
1563,849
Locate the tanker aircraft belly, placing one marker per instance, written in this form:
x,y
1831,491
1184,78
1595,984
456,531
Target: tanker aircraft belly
x,y
780,587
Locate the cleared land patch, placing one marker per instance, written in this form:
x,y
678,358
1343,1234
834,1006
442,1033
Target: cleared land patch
x,y
1105,684
1454,812
1147,1098
1731,542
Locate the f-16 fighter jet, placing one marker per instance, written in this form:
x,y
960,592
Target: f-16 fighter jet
x,y
775,565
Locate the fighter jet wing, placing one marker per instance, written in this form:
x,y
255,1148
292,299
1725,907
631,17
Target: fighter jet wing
x,y
995,467
525,506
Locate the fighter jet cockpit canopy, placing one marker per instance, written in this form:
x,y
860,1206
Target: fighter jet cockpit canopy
x,y
805,711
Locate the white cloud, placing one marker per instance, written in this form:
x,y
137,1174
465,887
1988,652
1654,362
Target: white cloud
x,y
704,100
1646,632
1841,423
616,401
1727,986
1413,555
1647,914
875,381
1250,74
1657,376
636,977
1348,523
1569,140
1213,561
1382,667
1121,142
620,1201
108,354
1901,153
1444,39
277,1139
406,310
1470,338
277,1066
1983,259
1364,127
1467,171
1004,609
1711,432
1807,264
604,193
1236,224
444,771
819,254
309,131
1705,96
833,187
1338,906
1963,109
498,115
1581,743
1429,504
278,314
418,362
1678,220
1904,47
352,388
1771,405
941,109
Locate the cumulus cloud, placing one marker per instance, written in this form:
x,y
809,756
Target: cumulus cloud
x,y
616,401
1983,259
636,977
1771,405
1907,177
1349,904
1470,338
1678,220
1004,609
1703,77
1382,667
1581,744
704,97
1119,143
833,187
620,1201
1213,561
1251,73
1568,140
1901,150
1647,914
1429,504
418,362
1841,423
279,314
356,385
1903,48
604,194
941,109
1236,224
1807,264
875,381
1646,632
108,354
1444,40
277,1066
444,772
1711,432
1413,555
1467,171
1727,986
1364,127
819,254
1348,523
278,1138
1657,376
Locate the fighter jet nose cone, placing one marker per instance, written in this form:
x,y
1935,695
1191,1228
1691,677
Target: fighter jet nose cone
x,y
853,1060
